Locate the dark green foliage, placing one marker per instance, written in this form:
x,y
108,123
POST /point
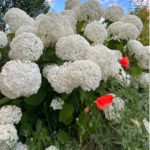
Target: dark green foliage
x,y
31,7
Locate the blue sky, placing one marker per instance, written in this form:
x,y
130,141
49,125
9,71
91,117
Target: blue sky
x,y
58,5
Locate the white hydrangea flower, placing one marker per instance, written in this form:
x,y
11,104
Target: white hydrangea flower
x,y
70,4
70,15
89,11
26,46
76,9
117,54
135,47
114,30
142,53
72,47
52,27
143,61
16,17
114,13
8,136
134,20
3,39
47,68
26,28
10,114
144,78
96,32
60,78
57,103
128,31
19,78
83,73
125,79
20,146
120,30
106,60
113,111
38,19
51,148
87,74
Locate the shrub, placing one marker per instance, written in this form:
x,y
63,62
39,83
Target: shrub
x,y
78,93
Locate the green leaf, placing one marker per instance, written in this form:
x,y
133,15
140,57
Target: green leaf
x,y
136,71
81,119
87,97
4,100
26,129
36,99
66,114
64,96
80,26
38,125
63,137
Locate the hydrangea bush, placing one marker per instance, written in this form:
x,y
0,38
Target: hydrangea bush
x,y
74,80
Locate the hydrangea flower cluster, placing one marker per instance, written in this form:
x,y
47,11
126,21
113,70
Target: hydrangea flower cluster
x,y
71,16
9,115
75,47
65,78
19,78
16,17
113,111
26,46
124,31
142,53
70,4
57,103
113,13
96,32
8,136
26,28
134,20
20,146
107,61
89,11
144,78
53,26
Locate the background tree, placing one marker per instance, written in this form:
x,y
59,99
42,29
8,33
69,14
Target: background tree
x,y
31,7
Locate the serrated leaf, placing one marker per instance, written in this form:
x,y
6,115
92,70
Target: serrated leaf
x,y
36,99
66,114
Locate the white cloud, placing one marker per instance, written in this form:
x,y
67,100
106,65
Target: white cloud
x,y
49,1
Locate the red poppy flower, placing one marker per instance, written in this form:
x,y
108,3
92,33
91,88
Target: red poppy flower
x,y
104,101
87,109
124,61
